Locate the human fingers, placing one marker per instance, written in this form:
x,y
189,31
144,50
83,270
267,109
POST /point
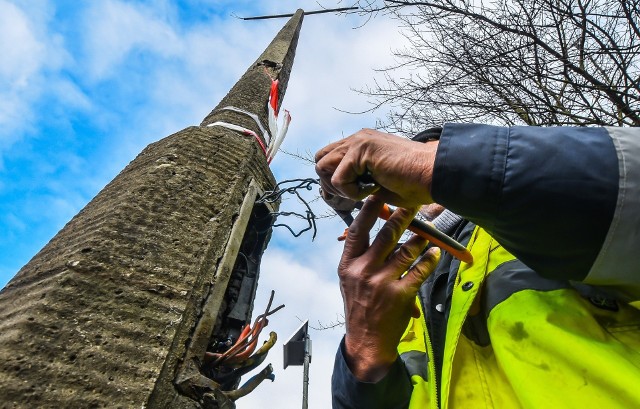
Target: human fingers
x,y
347,175
408,253
338,203
357,240
341,164
404,201
327,149
402,169
417,275
392,230
327,160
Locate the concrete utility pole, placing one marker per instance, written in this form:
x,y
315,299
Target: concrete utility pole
x,y
120,307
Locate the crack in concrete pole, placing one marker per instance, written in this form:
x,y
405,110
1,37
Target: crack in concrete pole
x,y
103,315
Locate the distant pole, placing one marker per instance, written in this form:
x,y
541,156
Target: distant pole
x,y
305,379
297,351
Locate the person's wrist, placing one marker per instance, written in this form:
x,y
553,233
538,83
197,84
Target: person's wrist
x,y
367,361
429,151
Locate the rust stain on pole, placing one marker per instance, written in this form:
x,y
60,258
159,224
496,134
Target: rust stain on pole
x,y
105,313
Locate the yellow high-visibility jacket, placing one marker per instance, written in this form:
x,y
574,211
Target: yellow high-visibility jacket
x,y
517,340
566,202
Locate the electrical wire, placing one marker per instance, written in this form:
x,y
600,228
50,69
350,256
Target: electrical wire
x,y
276,195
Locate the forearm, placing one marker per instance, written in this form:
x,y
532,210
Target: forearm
x,y
548,195
564,200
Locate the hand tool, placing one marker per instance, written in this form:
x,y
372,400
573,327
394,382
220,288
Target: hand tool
x,y
435,236
343,207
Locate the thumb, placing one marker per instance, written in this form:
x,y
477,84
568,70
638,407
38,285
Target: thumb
x,y
421,270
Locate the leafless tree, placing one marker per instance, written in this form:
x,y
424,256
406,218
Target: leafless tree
x,y
509,62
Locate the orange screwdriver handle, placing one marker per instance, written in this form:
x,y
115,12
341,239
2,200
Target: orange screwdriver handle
x,y
434,235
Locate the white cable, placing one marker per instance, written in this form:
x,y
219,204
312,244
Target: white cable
x,y
265,134
282,132
240,129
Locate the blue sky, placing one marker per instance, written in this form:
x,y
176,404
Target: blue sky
x,y
85,86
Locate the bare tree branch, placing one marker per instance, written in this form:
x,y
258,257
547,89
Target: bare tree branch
x,y
537,62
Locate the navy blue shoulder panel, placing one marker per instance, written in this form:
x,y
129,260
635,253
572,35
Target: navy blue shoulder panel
x,y
546,194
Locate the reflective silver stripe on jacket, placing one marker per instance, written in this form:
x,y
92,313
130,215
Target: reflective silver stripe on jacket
x,y
618,262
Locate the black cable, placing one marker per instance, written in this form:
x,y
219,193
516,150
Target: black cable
x,y
276,195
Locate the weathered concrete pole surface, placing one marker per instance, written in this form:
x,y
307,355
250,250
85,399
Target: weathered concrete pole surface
x,y
103,315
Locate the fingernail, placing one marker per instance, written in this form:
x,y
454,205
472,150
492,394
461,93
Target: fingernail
x,y
372,198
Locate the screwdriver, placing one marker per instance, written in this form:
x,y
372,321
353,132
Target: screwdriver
x,y
435,236
417,226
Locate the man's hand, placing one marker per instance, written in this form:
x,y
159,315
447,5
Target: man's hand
x,y
402,169
379,300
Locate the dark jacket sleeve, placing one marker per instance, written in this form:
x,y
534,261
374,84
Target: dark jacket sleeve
x,y
392,392
547,195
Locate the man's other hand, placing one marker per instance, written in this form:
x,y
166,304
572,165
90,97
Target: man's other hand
x,y
379,297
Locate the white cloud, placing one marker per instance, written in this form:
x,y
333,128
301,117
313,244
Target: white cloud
x,y
206,65
22,52
26,53
23,58
69,94
116,28
15,222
